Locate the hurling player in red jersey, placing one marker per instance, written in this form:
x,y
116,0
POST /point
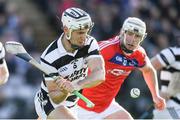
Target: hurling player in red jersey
x,y
122,54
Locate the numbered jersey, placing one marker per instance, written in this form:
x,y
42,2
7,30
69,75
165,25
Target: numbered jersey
x,y
118,67
71,66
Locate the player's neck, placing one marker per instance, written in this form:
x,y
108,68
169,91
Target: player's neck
x,y
67,45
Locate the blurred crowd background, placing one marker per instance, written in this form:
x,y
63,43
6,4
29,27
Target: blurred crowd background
x,y
35,23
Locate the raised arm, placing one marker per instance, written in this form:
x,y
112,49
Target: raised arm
x,y
150,77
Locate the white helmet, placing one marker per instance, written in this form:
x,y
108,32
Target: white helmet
x,y
136,25
75,18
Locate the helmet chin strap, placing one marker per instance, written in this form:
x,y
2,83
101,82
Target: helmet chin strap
x,y
73,46
123,47
68,37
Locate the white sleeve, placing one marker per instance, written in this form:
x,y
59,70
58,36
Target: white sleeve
x,y
166,57
2,51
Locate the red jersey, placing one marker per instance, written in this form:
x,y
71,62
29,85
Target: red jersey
x,y
118,66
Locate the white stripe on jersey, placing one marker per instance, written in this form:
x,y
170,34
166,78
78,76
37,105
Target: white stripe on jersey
x,y
104,44
171,57
166,75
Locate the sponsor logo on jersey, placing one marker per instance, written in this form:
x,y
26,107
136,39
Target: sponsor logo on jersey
x,y
77,74
63,69
118,72
122,60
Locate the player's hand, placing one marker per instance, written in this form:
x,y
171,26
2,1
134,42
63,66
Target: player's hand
x,y
64,84
159,102
60,81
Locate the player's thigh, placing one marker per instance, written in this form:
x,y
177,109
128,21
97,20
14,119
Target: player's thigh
x,y
61,112
121,114
115,111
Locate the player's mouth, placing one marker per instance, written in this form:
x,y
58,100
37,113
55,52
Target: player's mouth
x,y
130,46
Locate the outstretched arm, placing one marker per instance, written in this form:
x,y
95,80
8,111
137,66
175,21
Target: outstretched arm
x,y
150,77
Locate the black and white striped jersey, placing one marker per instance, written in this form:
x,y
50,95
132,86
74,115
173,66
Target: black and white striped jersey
x,y
72,66
170,59
2,51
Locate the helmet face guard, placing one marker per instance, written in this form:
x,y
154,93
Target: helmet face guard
x,y
133,25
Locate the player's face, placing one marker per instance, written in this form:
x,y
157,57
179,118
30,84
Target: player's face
x,y
79,37
132,40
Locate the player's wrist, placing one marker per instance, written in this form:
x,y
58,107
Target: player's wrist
x,y
76,86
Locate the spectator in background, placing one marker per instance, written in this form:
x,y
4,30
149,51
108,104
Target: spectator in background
x,y
4,73
122,54
168,62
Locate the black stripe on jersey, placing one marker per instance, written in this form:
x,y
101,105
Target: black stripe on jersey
x,y
67,58
164,59
45,61
163,82
72,98
52,47
1,61
52,74
177,57
83,52
48,107
94,52
171,69
62,61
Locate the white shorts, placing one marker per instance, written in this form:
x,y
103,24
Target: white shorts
x,y
85,114
44,105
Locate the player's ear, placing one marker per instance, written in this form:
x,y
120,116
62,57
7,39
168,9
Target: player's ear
x,y
65,29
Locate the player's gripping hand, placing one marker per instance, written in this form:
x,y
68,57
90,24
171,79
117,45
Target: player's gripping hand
x,y
159,102
66,85
2,51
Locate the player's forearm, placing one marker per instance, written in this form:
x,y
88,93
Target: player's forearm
x,y
150,77
4,73
94,79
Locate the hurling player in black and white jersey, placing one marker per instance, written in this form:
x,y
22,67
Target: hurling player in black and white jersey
x,y
168,61
70,57
4,73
